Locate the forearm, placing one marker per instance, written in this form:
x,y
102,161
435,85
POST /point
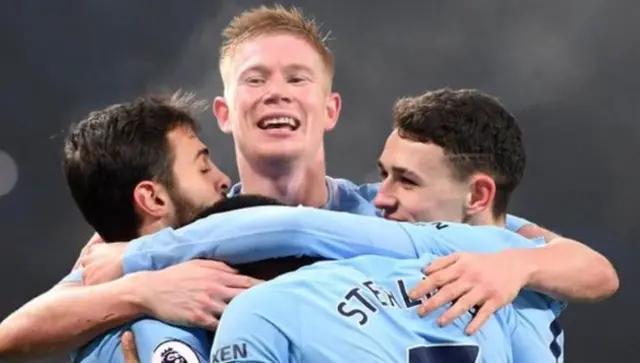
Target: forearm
x,y
65,318
569,271
269,232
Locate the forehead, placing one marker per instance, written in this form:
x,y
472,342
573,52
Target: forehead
x,y
277,50
184,143
418,157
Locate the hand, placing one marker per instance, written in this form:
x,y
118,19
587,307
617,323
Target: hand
x,y
95,239
484,281
129,349
103,262
194,293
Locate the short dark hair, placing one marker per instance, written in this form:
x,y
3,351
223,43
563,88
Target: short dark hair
x,y
476,132
237,202
112,150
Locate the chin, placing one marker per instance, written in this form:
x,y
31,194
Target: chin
x,y
278,154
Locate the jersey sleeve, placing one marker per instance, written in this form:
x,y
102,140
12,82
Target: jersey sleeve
x,y
246,334
259,233
159,342
369,191
514,223
105,348
443,238
156,342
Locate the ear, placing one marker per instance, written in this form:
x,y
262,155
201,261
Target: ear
x,y
482,192
333,111
221,111
151,199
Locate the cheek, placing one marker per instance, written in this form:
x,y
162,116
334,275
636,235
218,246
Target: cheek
x,y
200,188
244,100
423,203
420,206
312,102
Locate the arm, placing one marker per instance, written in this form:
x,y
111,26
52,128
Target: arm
x,y
259,233
69,316
565,268
155,341
160,342
568,270
246,335
45,325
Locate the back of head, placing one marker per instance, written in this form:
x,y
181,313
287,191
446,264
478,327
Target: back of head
x,y
475,131
274,20
238,202
112,150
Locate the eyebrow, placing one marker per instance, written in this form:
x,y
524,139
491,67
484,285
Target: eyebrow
x,y
202,152
298,67
400,170
265,70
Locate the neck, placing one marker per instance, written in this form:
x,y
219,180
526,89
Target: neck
x,y
151,227
271,268
290,182
486,218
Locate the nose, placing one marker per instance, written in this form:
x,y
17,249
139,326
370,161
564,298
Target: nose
x,y
278,92
385,200
222,184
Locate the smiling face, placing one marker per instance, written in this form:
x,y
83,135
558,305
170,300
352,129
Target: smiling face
x,y
277,100
455,155
418,183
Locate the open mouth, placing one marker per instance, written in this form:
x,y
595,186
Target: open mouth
x,y
284,122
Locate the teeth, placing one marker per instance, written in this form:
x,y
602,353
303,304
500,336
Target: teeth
x,y
279,121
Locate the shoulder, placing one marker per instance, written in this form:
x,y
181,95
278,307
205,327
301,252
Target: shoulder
x,y
367,191
104,348
347,196
235,190
158,341
271,300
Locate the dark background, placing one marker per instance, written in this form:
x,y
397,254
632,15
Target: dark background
x,y
566,69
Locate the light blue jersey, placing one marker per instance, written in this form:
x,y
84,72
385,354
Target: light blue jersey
x,y
343,196
157,342
260,233
346,196
354,310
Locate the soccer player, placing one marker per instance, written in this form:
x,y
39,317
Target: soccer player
x,y
457,155
356,310
133,169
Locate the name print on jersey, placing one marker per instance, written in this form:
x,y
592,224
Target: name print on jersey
x,y
357,303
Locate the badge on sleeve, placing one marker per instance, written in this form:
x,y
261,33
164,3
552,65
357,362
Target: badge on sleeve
x,y
174,351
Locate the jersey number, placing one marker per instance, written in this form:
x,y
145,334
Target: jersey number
x,y
460,353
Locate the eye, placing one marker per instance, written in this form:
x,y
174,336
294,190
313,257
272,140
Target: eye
x,y
296,79
254,81
407,181
206,166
